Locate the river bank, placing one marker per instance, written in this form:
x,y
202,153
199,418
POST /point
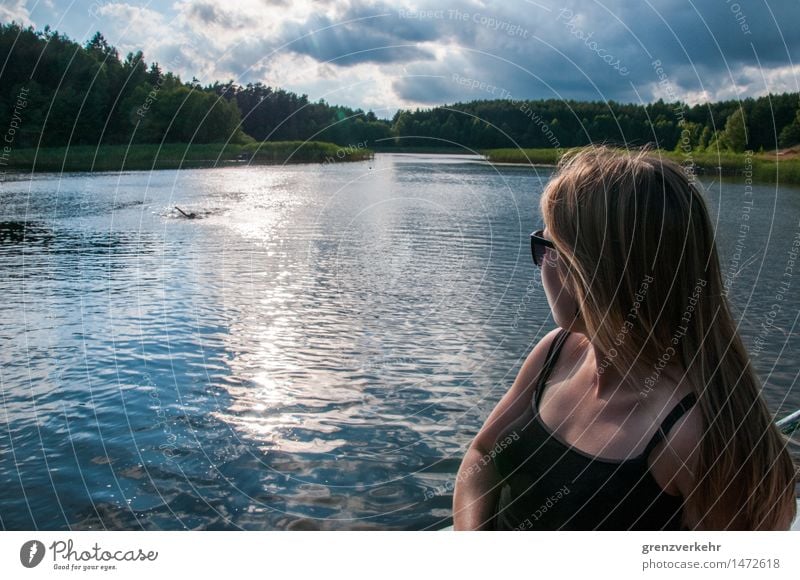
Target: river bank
x,y
769,167
176,155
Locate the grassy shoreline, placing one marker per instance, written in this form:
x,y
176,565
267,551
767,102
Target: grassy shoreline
x,y
764,166
422,150
177,155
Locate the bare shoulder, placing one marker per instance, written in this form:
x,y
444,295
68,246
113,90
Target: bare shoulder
x,y
529,372
535,361
517,399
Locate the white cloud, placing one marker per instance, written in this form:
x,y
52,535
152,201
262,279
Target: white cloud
x,y
15,10
369,54
131,28
781,79
166,40
742,82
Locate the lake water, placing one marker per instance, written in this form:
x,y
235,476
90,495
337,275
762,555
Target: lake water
x,y
315,351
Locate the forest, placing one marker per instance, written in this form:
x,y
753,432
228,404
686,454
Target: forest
x,y
61,93
56,92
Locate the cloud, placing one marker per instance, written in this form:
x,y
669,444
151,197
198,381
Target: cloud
x,y
209,13
132,28
420,55
606,51
15,10
350,42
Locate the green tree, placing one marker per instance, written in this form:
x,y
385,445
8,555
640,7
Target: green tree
x,y
790,135
734,137
705,138
99,48
690,134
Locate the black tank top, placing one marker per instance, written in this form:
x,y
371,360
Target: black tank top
x,y
550,485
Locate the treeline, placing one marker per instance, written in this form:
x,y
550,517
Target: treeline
x,y
56,92
766,122
279,115
86,95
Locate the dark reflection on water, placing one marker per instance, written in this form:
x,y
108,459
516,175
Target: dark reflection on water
x,y
18,232
315,353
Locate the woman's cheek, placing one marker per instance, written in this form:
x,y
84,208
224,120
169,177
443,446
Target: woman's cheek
x,y
559,299
552,287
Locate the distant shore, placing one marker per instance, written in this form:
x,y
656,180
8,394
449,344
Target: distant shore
x,y
780,167
763,167
177,155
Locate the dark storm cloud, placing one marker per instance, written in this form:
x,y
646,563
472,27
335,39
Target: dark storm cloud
x,y
208,12
593,51
544,49
707,48
713,33
358,37
385,19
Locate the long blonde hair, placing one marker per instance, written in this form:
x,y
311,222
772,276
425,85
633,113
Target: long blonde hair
x,y
620,219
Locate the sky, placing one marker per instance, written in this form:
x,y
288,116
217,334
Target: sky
x,y
381,56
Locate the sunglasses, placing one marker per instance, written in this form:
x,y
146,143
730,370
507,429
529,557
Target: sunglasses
x,y
539,246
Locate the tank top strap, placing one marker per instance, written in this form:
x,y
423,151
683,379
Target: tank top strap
x,y
677,412
550,359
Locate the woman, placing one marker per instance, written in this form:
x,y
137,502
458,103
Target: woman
x,y
642,410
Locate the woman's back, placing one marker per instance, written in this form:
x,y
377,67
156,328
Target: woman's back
x,y
628,261
549,484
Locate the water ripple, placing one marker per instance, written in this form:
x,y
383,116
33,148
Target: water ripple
x,y
315,352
